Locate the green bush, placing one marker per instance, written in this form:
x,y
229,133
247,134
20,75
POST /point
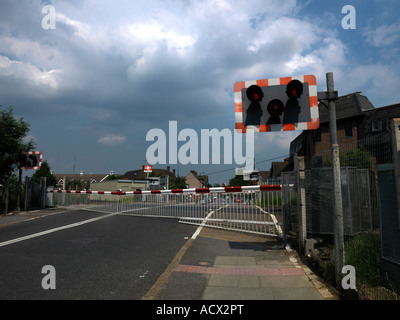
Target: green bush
x,y
363,254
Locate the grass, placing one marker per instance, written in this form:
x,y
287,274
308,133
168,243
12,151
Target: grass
x,y
363,253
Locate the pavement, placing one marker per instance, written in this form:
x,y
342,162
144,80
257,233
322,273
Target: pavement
x,y
225,265
14,217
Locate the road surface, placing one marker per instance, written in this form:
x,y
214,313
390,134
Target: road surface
x,y
87,254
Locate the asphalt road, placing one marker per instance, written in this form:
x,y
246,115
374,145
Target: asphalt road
x,y
113,257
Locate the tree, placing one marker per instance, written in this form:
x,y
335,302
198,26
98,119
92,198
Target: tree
x,y
178,183
12,133
113,177
360,158
45,172
238,181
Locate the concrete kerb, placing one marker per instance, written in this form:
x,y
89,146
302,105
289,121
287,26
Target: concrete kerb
x,y
325,291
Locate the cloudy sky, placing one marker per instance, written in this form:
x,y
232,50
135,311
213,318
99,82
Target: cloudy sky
x,y
110,71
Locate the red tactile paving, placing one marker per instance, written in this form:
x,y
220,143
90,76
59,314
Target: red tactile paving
x,y
241,271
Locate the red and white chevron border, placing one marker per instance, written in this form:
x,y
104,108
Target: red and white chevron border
x,y
40,160
313,95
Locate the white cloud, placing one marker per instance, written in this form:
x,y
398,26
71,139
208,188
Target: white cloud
x,y
112,140
153,31
383,35
283,36
279,140
80,28
380,79
28,72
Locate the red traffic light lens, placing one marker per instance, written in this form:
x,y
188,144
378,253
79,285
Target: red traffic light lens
x,y
294,89
275,107
254,93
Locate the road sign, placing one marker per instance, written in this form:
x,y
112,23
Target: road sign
x,y
276,104
30,160
147,168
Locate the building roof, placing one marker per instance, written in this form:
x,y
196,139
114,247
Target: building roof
x,y
347,106
265,174
393,109
78,177
278,167
203,179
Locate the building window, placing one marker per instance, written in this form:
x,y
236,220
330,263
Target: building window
x,y
384,124
299,145
375,126
348,129
379,125
318,161
317,135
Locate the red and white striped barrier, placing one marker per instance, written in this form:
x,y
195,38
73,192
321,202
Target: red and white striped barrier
x,y
180,191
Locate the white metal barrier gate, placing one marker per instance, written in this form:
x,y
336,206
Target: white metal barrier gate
x,y
253,209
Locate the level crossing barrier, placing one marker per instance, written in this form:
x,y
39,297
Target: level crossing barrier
x,y
251,209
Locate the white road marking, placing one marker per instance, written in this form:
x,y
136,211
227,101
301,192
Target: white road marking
x,y
73,225
274,219
194,236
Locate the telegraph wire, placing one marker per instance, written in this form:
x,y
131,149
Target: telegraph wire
x,y
258,162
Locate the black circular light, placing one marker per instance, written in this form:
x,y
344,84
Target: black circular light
x,y
275,107
294,89
254,93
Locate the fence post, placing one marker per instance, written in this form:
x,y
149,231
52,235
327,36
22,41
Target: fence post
x,y
283,207
43,183
395,129
6,194
299,167
27,193
19,191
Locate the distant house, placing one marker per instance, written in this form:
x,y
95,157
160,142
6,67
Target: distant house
x,y
141,175
193,180
114,185
265,177
278,167
80,181
158,179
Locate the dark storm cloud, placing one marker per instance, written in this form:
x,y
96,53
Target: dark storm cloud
x,y
144,67
111,71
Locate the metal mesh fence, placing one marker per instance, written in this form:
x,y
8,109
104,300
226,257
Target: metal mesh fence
x,y
356,197
368,194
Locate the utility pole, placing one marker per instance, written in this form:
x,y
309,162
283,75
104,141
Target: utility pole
x,y
336,182
331,96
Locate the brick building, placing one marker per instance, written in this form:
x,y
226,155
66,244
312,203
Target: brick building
x,y
193,180
356,119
